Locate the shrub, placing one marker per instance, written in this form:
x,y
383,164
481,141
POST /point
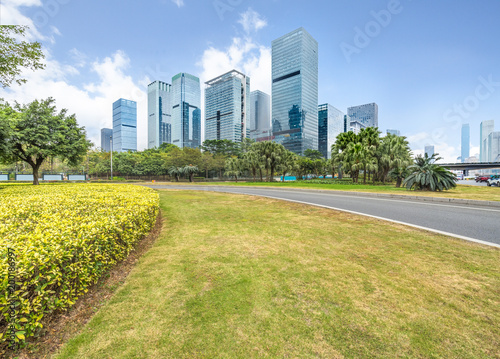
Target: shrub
x,y
63,238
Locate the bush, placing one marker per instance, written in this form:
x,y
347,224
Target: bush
x,y
61,239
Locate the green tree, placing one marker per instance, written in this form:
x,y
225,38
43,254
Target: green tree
x,y
36,132
15,55
234,167
426,175
190,171
313,154
394,156
254,163
287,164
225,148
176,172
271,153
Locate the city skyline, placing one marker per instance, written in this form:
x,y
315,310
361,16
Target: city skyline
x,y
365,56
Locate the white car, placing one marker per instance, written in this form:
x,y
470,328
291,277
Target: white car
x,y
495,181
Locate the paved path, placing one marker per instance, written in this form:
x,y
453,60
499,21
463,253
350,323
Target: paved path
x,y
476,223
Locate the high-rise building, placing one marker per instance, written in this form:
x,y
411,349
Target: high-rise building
x,y
330,125
295,91
364,114
394,132
465,144
186,113
227,107
429,150
485,129
124,125
106,134
159,113
356,126
347,122
494,147
260,115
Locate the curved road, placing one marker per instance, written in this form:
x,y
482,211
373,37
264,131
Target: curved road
x,y
478,224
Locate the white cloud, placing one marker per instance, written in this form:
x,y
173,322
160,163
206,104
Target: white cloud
x,y
252,21
419,140
179,3
92,104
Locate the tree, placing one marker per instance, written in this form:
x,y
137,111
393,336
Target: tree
x,y
426,175
16,55
36,132
287,164
176,172
271,152
393,157
254,162
225,148
234,167
313,154
190,170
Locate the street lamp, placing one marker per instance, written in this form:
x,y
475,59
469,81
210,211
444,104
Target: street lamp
x,y
111,145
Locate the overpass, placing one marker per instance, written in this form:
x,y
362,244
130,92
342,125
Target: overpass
x,y
466,167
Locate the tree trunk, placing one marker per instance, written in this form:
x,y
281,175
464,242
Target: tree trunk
x,y
191,177
364,175
35,175
398,182
260,171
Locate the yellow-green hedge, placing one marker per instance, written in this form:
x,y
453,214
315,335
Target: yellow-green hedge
x,y
63,237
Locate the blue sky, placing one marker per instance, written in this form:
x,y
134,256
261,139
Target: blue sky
x,y
430,66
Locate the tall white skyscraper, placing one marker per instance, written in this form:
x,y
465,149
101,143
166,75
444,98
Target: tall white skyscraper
x,y
295,91
227,107
485,129
465,143
186,112
429,150
159,113
260,115
367,114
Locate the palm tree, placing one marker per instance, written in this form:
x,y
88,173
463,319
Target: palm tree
x,y
190,171
426,175
271,153
176,172
394,156
253,162
288,163
233,167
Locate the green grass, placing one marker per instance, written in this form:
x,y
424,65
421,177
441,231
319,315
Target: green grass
x,y
461,191
246,277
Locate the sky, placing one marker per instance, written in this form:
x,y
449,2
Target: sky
x,y
430,66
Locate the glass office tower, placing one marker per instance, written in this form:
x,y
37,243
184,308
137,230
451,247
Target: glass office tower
x,y
429,150
227,107
260,115
159,113
186,113
124,125
106,134
494,147
465,150
367,114
330,125
485,129
295,91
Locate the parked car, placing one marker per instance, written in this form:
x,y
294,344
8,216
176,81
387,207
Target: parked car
x,y
481,179
493,181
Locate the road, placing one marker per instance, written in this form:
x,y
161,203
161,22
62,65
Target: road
x,y
478,224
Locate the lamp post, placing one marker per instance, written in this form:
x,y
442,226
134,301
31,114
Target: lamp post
x,y
111,145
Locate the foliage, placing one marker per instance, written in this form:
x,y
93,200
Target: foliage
x,y
190,170
36,132
63,246
16,55
426,175
234,166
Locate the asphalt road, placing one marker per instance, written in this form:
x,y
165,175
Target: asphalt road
x,y
475,223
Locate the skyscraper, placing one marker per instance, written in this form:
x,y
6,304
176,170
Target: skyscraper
x,y
494,147
227,107
295,91
106,134
260,115
124,125
367,114
485,129
465,145
186,113
429,150
330,125
159,113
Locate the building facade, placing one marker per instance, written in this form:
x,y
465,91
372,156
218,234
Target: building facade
x,y
356,126
260,115
159,113
295,91
429,150
394,132
367,114
106,134
227,107
465,143
485,129
186,112
330,125
494,147
124,125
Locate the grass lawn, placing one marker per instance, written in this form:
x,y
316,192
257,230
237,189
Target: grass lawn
x,y
461,191
245,277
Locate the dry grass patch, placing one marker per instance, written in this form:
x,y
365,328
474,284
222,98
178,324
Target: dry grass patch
x,y
238,277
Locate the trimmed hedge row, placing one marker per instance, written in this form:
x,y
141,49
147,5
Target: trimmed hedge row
x,y
56,241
